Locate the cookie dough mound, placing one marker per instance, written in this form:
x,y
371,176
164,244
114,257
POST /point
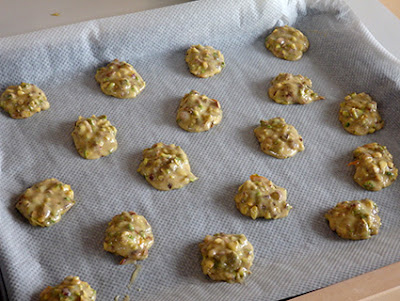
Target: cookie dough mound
x,y
374,167
198,113
94,137
287,43
44,203
226,257
23,101
359,114
71,289
279,139
166,167
354,219
259,197
204,61
289,89
129,235
120,79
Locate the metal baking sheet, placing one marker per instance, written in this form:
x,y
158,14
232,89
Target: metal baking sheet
x,y
293,255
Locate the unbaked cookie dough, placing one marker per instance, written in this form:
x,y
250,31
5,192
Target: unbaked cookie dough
x,y
71,289
166,167
226,257
354,219
44,203
129,235
23,101
374,167
289,89
198,113
204,61
359,114
259,197
120,79
287,43
278,139
94,137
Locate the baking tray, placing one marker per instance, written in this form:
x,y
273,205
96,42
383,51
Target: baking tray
x,y
293,255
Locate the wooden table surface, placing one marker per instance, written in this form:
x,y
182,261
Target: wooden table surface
x,y
393,6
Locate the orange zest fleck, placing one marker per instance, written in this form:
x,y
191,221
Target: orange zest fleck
x,y
353,163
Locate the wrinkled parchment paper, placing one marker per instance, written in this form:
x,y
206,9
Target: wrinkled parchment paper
x,y
293,255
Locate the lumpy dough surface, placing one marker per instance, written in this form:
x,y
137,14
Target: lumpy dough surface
x,y
120,79
374,167
354,219
278,139
287,43
71,289
289,89
226,257
166,167
94,137
23,101
359,114
129,235
204,61
259,197
198,113
44,203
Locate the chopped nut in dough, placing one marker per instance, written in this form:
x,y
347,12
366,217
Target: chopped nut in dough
x,y
129,235
289,89
359,114
166,167
198,113
226,257
204,61
374,167
71,289
23,101
287,43
354,219
279,139
46,202
120,79
94,137
259,197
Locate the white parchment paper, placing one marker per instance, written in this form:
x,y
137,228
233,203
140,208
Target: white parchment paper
x,y
293,255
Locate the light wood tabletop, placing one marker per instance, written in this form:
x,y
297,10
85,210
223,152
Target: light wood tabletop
x,y
393,6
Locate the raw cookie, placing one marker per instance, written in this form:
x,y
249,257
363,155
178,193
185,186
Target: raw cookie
x,y
354,219
204,61
129,235
198,113
289,89
166,167
287,43
279,139
71,289
44,203
120,79
94,137
374,167
226,257
359,114
23,101
259,197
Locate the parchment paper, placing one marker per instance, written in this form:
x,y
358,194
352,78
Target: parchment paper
x,y
292,255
